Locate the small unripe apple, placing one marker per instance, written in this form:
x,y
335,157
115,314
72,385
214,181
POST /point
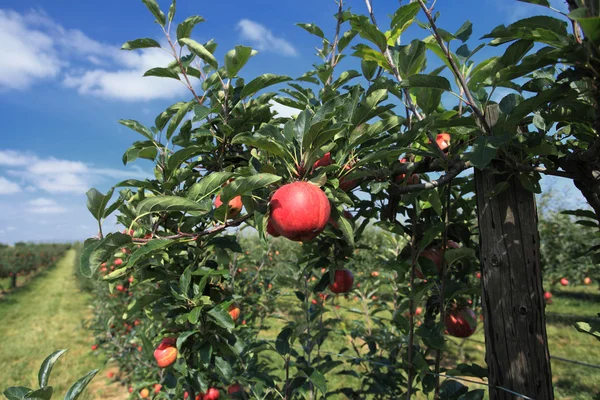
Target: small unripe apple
x,y
342,282
323,161
234,312
235,388
299,211
235,205
166,353
564,281
211,394
587,280
460,322
144,393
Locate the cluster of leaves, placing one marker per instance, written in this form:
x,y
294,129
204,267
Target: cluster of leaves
x,y
180,256
25,258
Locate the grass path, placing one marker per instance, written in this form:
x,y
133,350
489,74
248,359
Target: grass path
x,y
44,316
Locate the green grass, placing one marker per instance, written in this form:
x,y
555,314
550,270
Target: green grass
x,y
44,316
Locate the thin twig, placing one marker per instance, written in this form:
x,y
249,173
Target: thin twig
x,y
333,61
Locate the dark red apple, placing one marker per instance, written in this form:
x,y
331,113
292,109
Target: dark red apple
x,y
235,205
235,388
166,352
323,161
211,394
460,322
348,184
342,282
299,211
271,229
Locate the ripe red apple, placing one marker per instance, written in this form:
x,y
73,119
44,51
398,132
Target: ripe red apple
x,y
110,374
547,296
118,261
166,352
234,312
478,275
418,311
235,205
235,388
323,161
94,347
342,282
300,211
443,140
144,393
120,288
564,281
271,229
211,394
199,397
186,395
130,390
587,280
157,387
348,184
460,322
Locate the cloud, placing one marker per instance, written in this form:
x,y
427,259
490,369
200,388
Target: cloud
x,y
284,111
45,206
28,54
54,175
8,187
34,48
263,39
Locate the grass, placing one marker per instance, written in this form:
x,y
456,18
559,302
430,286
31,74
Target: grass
x,y
44,316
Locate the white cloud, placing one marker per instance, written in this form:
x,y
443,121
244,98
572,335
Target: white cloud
x,y
34,47
8,187
263,39
45,206
28,54
284,111
60,176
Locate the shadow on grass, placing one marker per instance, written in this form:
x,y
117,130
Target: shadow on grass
x,y
592,297
7,297
564,319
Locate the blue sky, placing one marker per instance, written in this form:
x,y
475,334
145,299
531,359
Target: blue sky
x,y
64,84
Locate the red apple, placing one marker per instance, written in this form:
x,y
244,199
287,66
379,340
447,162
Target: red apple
x,y
110,374
120,288
323,161
235,205
157,387
300,211
199,397
94,347
130,390
564,281
460,322
547,296
211,394
478,275
443,140
418,311
234,311
235,388
434,255
271,229
345,184
587,280
186,395
342,282
118,261
166,352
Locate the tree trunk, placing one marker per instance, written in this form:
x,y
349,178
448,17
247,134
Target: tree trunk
x,y
13,281
512,295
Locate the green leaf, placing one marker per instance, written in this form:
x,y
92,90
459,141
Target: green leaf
x,y
515,53
531,183
318,380
235,59
452,256
346,39
485,149
185,280
261,142
78,387
345,77
84,263
16,392
369,31
245,185
46,368
146,150
509,102
178,117
156,11
262,82
428,99
224,368
96,202
401,20
208,185
180,156
136,126
313,29
544,3
427,81
221,317
105,249
282,343
302,125
200,51
162,73
140,44
172,10
147,251
184,29
589,25
169,204
410,59
44,393
464,32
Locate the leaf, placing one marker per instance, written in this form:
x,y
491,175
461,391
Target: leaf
x,y
140,44
46,367
172,10
476,394
346,39
221,317
515,53
96,202
147,251
156,11
401,20
235,59
485,149
452,256
318,380
531,183
162,73
509,102
178,117
207,185
262,82
78,387
368,31
84,263
245,185
313,29
136,126
261,142
427,81
302,125
224,368
169,204
16,392
180,156
464,32
184,29
410,59
591,328
282,343
200,51
44,393
544,3
105,249
185,280
146,150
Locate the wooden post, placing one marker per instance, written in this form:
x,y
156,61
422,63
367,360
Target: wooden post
x,y
512,295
